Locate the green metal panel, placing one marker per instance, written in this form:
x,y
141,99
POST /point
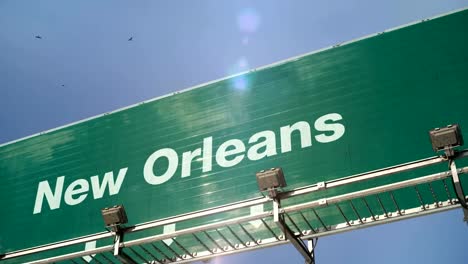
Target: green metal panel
x,y
389,90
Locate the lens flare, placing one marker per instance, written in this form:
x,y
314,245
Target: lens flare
x,y
245,41
243,63
248,20
240,83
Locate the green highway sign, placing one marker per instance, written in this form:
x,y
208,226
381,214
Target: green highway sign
x,y
348,109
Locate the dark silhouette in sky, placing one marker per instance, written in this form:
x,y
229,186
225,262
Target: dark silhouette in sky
x,y
38,37
130,39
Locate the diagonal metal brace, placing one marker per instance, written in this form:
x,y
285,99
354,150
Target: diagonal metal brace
x,y
458,189
311,244
289,234
118,253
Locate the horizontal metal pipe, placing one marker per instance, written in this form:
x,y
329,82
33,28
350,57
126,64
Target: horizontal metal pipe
x,y
239,205
57,245
74,255
198,214
197,229
339,228
135,228
375,190
409,213
300,191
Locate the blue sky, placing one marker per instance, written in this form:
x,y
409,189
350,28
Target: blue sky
x,y
84,65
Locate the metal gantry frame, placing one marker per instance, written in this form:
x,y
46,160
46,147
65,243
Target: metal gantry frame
x,y
294,223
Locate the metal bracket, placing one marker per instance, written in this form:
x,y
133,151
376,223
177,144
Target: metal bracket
x,y
458,189
118,253
449,152
289,234
321,185
323,202
272,192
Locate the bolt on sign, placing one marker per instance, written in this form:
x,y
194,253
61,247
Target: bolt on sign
x,y
348,109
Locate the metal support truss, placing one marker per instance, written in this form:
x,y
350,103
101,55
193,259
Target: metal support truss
x,y
458,189
288,222
289,234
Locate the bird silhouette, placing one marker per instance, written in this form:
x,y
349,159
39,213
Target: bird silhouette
x,y
130,39
38,37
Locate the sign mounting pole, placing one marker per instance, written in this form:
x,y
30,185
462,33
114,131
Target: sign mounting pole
x,y
458,189
289,234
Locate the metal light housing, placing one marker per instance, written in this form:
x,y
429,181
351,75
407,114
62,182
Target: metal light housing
x,y
271,180
446,138
114,216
